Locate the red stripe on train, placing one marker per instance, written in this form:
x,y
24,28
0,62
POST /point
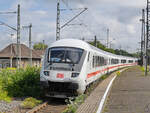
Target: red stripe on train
x,y
106,69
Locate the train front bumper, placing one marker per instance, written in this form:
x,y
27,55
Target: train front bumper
x,y
59,89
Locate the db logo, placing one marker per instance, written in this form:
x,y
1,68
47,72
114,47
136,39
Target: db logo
x,y
59,75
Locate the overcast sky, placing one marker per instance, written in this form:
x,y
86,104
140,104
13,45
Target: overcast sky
x,y
120,16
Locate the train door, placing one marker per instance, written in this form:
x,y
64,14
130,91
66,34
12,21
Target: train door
x,y
90,63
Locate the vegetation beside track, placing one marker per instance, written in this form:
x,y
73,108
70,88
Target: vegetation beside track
x,y
19,83
73,105
142,68
30,103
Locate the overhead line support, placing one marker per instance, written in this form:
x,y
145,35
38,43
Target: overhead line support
x,y
73,18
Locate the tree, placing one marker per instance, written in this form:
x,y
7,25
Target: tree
x,y
101,46
116,51
40,46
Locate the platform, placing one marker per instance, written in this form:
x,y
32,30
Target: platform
x,y
130,93
91,104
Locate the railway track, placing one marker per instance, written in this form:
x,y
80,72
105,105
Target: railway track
x,y
55,105
50,106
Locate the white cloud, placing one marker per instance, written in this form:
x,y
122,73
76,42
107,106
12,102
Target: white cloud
x,y
131,29
120,16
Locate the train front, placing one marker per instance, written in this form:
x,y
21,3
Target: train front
x,y
61,70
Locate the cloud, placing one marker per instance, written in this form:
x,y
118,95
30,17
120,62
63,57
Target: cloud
x,y
120,16
131,29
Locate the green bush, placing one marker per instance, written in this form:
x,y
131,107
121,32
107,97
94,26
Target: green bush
x,y
4,96
4,79
21,82
24,83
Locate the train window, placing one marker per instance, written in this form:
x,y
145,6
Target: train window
x,y
105,63
65,55
98,61
130,61
89,56
102,61
123,61
93,62
114,61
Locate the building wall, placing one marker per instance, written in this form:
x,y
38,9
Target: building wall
x,y
26,62
4,63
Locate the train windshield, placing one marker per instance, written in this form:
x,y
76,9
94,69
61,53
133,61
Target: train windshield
x,y
65,55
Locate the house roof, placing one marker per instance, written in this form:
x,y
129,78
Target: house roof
x,y
25,52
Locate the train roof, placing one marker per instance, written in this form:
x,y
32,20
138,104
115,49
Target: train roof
x,y
71,43
83,45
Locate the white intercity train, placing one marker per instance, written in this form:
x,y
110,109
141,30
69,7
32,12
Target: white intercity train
x,y
71,65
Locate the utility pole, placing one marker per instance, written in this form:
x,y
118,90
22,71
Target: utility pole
x,y
142,37
43,41
95,41
58,21
58,27
147,34
18,38
83,39
18,32
107,38
30,42
11,57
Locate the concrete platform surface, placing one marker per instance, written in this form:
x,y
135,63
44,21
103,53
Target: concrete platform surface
x,y
91,104
130,93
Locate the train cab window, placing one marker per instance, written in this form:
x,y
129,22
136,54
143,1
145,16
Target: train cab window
x,y
65,55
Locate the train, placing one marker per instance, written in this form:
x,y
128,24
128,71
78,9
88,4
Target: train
x,y
71,65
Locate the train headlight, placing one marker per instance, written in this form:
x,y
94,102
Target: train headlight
x,y
46,73
75,75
